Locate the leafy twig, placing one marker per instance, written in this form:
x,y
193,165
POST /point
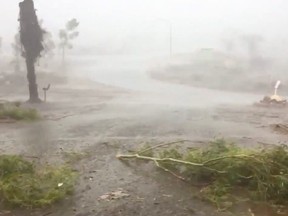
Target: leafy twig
x,y
169,171
161,145
137,156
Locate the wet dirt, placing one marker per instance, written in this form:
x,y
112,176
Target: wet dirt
x,y
105,120
280,128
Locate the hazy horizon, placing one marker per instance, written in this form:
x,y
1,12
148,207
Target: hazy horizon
x,y
141,25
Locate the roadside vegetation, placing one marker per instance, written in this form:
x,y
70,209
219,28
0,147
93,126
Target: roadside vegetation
x,y
216,69
226,173
14,111
24,185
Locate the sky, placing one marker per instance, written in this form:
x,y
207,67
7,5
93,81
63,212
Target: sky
x,y
144,24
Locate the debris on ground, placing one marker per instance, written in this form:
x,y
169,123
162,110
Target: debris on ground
x,y
114,195
280,128
275,99
223,168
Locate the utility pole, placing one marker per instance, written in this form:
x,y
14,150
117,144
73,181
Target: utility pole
x,y
31,37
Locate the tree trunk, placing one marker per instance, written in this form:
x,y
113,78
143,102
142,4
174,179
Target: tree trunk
x,y
31,37
33,89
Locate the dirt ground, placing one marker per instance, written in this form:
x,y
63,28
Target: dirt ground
x,y
104,121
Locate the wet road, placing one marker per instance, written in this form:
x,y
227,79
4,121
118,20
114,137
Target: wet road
x,y
131,72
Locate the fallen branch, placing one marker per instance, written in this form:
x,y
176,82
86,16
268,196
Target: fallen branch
x,y
157,160
231,157
169,171
161,145
226,167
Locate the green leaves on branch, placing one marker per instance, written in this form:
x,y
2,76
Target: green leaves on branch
x,y
221,168
68,34
72,25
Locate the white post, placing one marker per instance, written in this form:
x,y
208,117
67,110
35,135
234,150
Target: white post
x,y
277,86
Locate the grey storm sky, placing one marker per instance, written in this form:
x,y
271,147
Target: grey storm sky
x,y
196,22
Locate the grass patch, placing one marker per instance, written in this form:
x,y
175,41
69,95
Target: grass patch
x,y
223,169
24,185
14,111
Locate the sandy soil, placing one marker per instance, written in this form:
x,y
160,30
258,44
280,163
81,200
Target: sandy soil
x,y
104,121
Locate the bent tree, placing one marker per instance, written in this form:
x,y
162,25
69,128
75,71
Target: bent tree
x,y
17,49
66,35
31,36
